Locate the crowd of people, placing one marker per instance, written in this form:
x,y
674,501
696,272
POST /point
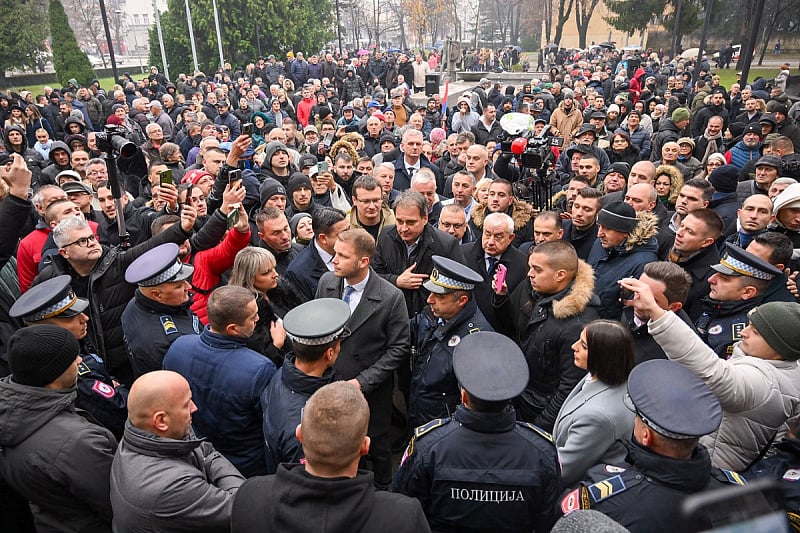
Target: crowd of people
x,y
227,302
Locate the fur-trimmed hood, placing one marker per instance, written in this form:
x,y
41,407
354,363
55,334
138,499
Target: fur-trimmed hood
x,y
580,294
338,145
521,214
645,229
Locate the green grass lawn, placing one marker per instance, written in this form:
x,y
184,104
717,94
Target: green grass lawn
x,y
105,83
728,76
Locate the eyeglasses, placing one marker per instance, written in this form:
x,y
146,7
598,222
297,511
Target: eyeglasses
x,y
369,201
454,225
83,242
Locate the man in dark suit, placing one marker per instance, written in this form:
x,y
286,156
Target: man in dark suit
x,y
378,343
493,249
404,252
315,259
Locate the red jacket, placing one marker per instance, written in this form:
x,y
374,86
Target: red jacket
x,y
209,265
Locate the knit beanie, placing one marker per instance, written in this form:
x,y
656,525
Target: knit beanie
x,y
437,135
621,167
618,216
37,355
294,221
777,323
725,178
680,114
298,180
269,188
736,129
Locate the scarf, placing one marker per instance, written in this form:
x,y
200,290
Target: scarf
x,y
711,147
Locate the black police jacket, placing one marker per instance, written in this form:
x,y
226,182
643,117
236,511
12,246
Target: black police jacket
x,y
282,402
721,323
784,467
446,464
434,388
98,395
150,329
645,493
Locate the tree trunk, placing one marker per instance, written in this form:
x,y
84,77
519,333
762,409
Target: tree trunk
x,y
564,11
548,20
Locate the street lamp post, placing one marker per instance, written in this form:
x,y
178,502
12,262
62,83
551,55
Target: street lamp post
x,y
161,39
109,42
191,36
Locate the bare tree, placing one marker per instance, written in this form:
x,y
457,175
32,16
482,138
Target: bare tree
x,y
564,11
84,17
583,15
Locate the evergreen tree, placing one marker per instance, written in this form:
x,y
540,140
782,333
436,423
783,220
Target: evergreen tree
x,y
69,60
21,40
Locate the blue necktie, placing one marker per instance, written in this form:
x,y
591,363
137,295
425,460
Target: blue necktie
x,y
348,292
492,264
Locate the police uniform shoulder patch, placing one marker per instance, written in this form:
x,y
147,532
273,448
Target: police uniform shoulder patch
x,y
605,489
103,389
425,428
168,324
575,500
545,435
792,474
83,369
729,476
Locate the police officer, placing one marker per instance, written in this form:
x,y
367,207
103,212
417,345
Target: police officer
x,y
159,311
316,329
54,302
784,467
452,314
446,463
737,286
673,408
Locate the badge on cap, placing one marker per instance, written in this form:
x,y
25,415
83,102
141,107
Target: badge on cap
x,y
454,340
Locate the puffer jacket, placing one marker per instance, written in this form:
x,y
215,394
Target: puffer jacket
x,y
757,395
55,457
739,154
160,484
624,261
545,327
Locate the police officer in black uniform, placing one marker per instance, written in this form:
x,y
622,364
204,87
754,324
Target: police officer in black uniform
x,y
665,461
446,463
783,467
451,314
159,311
316,329
54,302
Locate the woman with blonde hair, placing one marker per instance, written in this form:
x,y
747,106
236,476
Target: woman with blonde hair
x,y
254,269
481,193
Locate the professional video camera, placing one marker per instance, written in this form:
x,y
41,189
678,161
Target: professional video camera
x,y
115,139
531,154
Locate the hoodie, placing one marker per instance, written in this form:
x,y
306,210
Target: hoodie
x,y
53,456
294,500
33,159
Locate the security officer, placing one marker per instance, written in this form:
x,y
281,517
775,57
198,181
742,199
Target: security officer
x,y
159,311
737,286
54,302
316,329
446,463
666,463
452,314
784,467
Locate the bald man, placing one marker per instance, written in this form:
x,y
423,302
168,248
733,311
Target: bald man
x,y
162,475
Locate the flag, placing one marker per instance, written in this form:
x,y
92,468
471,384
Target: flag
x,y
444,99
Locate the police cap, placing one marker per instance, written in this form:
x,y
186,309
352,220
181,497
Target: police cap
x,y
48,299
490,366
157,266
318,322
448,276
740,262
672,400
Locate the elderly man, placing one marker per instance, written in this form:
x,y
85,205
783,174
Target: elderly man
x,y
163,475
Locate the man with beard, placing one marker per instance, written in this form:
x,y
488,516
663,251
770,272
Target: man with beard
x,y
566,120
748,149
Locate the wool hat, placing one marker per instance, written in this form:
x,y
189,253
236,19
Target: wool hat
x,y
613,108
388,137
437,135
736,129
115,107
194,176
295,220
725,178
752,128
37,355
307,160
790,197
781,108
686,140
621,167
777,323
298,180
680,114
618,216
269,188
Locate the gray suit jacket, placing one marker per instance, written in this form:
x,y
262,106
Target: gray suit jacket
x,y
379,342
591,420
